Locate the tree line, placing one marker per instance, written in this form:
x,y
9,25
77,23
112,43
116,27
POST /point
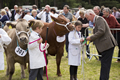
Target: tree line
x,y
60,3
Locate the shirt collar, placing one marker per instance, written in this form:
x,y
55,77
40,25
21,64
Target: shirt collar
x,y
35,33
94,20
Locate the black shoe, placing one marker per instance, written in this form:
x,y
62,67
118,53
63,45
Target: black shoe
x,y
71,77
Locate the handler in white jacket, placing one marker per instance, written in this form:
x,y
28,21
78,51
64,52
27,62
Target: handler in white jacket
x,y
36,57
74,50
4,40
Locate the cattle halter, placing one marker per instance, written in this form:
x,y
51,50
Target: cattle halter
x,y
18,33
65,25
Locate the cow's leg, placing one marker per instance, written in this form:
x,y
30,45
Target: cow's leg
x,y
28,67
7,71
22,71
58,61
11,68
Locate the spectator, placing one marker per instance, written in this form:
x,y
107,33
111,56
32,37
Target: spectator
x,y
103,40
113,23
14,12
17,15
68,15
97,11
45,14
8,12
34,14
77,14
54,12
27,15
4,17
34,7
116,14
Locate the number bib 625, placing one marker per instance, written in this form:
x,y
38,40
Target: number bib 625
x,y
20,52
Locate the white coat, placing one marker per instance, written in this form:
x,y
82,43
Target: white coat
x,y
36,57
5,39
74,48
42,15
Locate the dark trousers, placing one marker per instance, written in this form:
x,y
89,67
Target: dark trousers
x,y
36,73
117,37
67,42
73,70
106,63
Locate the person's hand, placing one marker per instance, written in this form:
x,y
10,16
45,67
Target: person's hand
x,y
45,9
40,41
81,40
88,38
47,45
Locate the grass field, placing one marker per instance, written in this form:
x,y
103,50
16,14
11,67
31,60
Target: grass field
x,y
91,69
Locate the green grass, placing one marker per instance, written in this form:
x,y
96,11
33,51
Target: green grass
x,y
91,69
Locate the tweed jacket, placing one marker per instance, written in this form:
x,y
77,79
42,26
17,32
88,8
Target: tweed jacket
x,y
102,36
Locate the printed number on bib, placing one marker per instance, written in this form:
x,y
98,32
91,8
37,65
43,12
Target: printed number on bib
x,y
20,52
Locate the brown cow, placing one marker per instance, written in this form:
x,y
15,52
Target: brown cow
x,y
19,34
59,27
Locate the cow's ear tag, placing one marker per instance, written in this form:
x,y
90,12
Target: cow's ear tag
x,y
10,27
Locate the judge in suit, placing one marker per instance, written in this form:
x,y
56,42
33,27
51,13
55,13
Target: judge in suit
x,y
103,40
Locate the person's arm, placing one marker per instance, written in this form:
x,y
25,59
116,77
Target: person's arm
x,y
34,44
85,25
4,38
40,14
72,40
101,30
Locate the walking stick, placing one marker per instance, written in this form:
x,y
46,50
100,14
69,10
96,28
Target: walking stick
x,y
44,51
83,57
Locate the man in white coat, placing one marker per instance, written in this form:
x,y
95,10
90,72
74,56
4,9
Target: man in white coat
x,y
45,14
4,40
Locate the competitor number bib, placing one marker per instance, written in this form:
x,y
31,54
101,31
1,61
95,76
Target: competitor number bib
x,y
20,52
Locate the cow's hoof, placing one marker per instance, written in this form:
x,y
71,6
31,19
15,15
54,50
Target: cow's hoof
x,y
59,75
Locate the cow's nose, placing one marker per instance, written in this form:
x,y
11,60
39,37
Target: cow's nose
x,y
23,39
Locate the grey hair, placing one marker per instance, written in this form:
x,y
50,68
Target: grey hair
x,y
87,12
97,7
107,10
